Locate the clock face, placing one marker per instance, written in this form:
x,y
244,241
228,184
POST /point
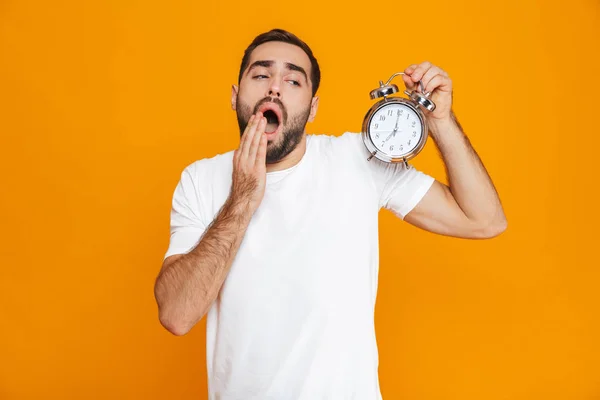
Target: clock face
x,y
395,129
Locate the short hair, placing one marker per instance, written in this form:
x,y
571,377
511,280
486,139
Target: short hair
x,y
280,35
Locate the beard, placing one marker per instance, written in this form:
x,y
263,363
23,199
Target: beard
x,y
291,132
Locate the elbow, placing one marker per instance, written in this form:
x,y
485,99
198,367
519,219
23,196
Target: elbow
x,y
175,326
176,321
168,316
169,319
493,229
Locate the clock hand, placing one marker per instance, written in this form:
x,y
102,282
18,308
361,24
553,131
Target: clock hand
x,y
387,138
396,127
393,132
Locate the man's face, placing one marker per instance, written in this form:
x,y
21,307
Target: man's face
x,y
277,83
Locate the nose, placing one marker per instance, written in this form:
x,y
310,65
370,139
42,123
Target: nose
x,y
274,88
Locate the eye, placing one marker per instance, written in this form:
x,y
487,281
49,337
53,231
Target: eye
x,y
295,83
260,76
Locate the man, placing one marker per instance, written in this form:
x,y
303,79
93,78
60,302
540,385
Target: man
x,y
277,241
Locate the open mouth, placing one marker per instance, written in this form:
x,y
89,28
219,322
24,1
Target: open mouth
x,y
272,121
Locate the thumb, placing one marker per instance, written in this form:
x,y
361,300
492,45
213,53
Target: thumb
x,y
410,85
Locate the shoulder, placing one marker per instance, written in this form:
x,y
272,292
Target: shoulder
x,y
348,144
205,170
331,139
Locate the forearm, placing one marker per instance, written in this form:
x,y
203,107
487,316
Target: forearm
x,y
468,180
186,288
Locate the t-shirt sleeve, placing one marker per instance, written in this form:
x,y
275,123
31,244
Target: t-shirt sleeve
x,y
398,188
186,223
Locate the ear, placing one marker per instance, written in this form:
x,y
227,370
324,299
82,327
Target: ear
x,y
313,108
234,93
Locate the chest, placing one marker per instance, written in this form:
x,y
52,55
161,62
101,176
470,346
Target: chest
x,y
310,243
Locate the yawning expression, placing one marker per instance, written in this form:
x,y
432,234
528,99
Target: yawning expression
x,y
277,83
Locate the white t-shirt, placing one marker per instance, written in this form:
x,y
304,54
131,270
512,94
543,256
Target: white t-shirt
x,y
295,316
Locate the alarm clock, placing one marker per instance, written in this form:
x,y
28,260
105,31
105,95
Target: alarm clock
x,y
395,128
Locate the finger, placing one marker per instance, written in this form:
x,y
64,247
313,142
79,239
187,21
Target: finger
x,y
261,154
421,69
431,72
249,124
440,82
250,135
256,140
245,135
410,85
250,121
258,130
410,69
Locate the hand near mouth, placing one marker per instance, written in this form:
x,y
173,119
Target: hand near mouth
x,y
249,167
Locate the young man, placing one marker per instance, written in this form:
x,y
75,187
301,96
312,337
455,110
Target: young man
x,y
277,241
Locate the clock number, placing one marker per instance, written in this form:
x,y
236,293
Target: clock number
x,y
407,115
382,117
400,112
409,142
391,147
376,126
401,148
377,136
390,112
413,123
414,133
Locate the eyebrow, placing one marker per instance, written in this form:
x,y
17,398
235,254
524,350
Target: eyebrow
x,y
269,63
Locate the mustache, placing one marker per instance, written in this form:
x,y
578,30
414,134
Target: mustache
x,y
273,100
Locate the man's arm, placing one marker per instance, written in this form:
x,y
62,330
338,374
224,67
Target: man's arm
x,y
469,206
189,283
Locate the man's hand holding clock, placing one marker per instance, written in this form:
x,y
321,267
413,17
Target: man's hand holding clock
x,y
436,82
468,206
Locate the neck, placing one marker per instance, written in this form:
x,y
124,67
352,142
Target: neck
x,y
291,159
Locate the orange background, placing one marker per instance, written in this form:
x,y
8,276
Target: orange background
x,y
102,104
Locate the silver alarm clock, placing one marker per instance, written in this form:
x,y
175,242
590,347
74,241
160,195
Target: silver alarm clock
x,y
395,129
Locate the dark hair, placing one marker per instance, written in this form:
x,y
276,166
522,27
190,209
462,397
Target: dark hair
x,y
279,35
